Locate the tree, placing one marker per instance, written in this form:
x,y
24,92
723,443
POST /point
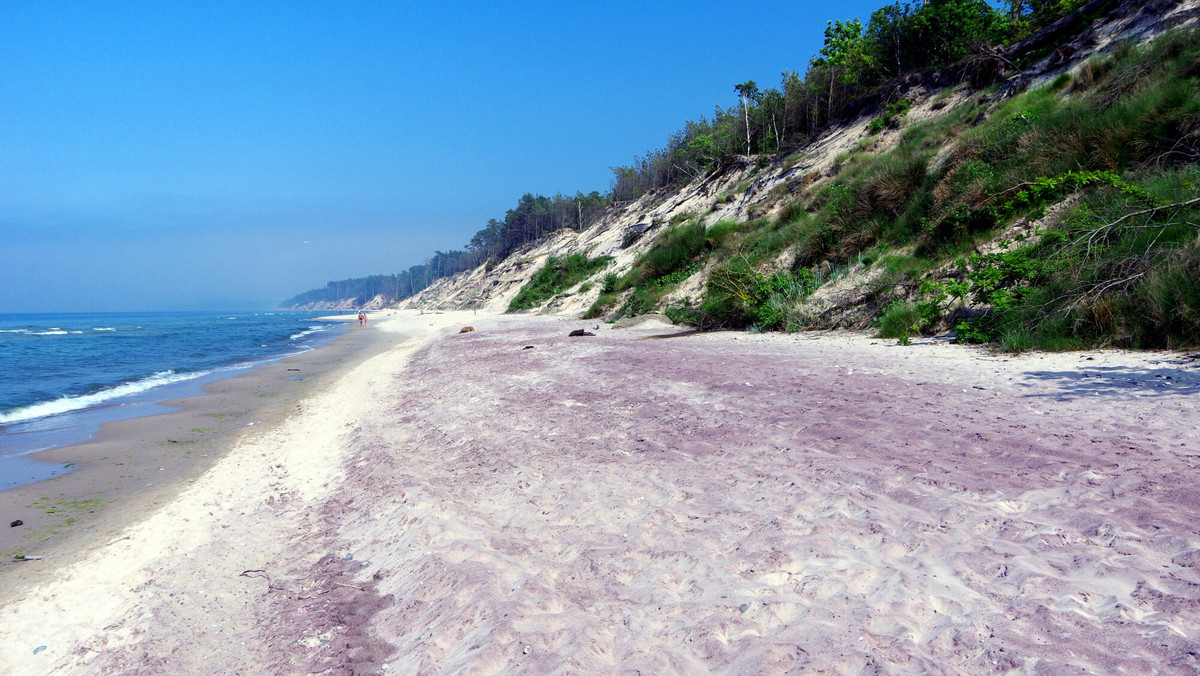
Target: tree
x,y
847,50
844,55
1029,16
945,31
770,107
748,91
885,32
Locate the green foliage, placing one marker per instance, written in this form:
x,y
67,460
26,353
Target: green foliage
x,y
558,275
1030,15
738,296
900,320
639,301
609,283
934,296
1097,277
677,249
683,314
846,51
676,277
646,296
903,319
1031,152
972,331
904,38
1045,190
1003,279
674,250
720,232
1101,276
892,112
602,304
675,256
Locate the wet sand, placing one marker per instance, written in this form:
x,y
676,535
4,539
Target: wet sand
x,y
627,502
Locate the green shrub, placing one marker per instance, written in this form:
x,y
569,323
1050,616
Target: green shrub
x,y
738,296
1115,271
673,251
608,284
676,277
682,314
719,232
640,301
973,331
899,320
892,112
555,277
1122,144
601,305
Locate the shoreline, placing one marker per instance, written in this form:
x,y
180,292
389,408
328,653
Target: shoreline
x,y
516,500
133,465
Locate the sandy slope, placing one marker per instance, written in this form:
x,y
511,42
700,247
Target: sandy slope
x,y
619,503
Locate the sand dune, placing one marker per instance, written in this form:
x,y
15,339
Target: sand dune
x,y
707,503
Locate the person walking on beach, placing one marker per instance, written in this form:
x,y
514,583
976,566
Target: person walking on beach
x,y
362,318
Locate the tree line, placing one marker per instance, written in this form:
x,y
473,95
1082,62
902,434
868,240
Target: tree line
x,y
854,60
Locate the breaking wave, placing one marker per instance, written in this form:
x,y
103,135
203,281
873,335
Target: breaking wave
x,y
82,401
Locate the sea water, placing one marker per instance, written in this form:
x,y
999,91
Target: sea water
x,y
63,375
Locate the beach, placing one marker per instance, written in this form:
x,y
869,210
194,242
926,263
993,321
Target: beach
x,y
142,462
646,499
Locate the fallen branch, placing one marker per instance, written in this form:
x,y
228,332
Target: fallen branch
x,y
271,586
1100,234
1152,210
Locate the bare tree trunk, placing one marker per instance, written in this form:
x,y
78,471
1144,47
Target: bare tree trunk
x,y
829,107
746,115
784,115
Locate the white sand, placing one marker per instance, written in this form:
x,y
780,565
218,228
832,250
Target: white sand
x,y
174,578
710,503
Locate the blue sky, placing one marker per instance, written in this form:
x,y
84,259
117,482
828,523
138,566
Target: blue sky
x,y
170,155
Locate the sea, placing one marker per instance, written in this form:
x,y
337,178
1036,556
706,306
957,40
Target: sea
x,y
64,375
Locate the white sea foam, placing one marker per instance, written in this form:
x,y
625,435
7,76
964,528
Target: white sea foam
x,y
307,332
52,332
67,404
103,328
